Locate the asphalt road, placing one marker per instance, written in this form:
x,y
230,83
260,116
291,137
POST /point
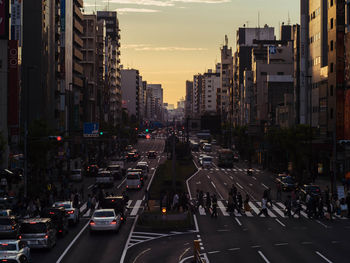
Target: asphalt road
x,y
252,238
79,245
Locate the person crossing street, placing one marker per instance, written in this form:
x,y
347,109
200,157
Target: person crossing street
x,y
214,206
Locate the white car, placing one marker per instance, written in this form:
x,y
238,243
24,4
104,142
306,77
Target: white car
x,y
133,180
76,175
71,212
105,220
207,161
14,251
201,157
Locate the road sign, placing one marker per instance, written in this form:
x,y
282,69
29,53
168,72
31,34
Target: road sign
x,y
91,129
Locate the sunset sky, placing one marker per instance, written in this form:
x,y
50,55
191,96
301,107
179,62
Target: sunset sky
x,y
169,41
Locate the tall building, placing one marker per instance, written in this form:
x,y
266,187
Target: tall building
x,y
42,88
189,98
130,80
114,78
90,65
226,75
197,95
211,84
157,104
243,61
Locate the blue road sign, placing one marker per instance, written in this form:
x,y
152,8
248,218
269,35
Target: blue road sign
x,y
91,129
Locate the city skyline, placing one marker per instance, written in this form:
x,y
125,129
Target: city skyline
x,y
158,41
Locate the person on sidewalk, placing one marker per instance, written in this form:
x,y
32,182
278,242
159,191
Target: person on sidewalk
x,y
175,204
263,207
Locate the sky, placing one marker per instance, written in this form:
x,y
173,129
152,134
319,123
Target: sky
x,y
169,41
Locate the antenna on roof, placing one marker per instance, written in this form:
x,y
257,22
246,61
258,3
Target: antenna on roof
x,y
226,40
258,19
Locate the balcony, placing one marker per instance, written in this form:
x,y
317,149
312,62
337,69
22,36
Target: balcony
x,y
78,13
78,81
78,40
78,26
78,54
80,3
78,68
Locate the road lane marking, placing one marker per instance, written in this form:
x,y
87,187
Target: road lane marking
x,y
208,177
231,177
234,249
196,223
264,186
129,204
268,211
322,256
278,211
280,223
90,186
263,257
281,244
254,178
257,246
306,243
240,186
136,208
184,253
222,208
213,252
121,183
238,222
324,225
188,186
72,243
83,207
150,181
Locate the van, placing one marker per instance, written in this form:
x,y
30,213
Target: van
x,y
133,180
144,167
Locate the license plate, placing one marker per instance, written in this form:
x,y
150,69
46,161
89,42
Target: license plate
x,y
33,242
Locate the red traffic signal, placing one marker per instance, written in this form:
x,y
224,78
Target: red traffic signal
x,y
148,136
59,138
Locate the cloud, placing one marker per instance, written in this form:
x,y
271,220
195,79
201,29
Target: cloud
x,y
133,46
135,10
169,49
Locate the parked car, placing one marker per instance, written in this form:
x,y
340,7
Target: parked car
x,y
9,227
152,155
59,219
118,203
15,251
76,175
105,220
38,233
71,212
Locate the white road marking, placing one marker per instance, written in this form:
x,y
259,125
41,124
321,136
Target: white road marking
x,y
222,208
281,244
90,186
239,186
324,225
238,222
72,243
128,241
213,252
234,249
278,211
256,210
254,178
306,243
263,257
188,186
268,211
136,208
83,207
129,203
280,223
264,186
231,177
322,256
139,255
196,224
121,183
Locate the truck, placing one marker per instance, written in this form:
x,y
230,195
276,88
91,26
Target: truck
x,y
226,158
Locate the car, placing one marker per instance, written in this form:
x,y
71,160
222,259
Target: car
x,y
140,171
249,171
59,219
71,212
144,167
105,220
207,147
287,183
14,251
312,190
133,180
236,157
76,175
130,157
201,157
152,155
6,212
136,154
207,161
118,203
9,227
38,233
92,170
104,179
128,148
115,170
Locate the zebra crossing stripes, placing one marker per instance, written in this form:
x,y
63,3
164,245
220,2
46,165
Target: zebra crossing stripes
x,y
270,214
222,208
256,210
136,208
140,237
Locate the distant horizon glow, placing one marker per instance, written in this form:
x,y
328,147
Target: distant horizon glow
x,y
169,41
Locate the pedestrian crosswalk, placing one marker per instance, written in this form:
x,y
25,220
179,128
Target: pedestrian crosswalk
x,y
231,170
277,210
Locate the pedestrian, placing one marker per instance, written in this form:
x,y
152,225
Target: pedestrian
x,y
298,208
343,208
263,207
200,199
208,201
288,205
175,204
93,203
246,203
76,200
279,191
268,197
214,206
88,203
239,201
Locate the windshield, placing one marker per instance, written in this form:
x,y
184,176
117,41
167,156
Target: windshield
x,y
8,247
62,205
104,214
33,228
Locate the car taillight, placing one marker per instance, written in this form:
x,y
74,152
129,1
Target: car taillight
x,y
46,236
122,218
19,237
60,231
141,179
52,213
4,260
13,227
127,186
4,244
138,186
114,222
70,212
92,223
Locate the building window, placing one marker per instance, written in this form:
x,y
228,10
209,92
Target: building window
x,y
331,90
331,69
332,23
331,114
330,3
331,47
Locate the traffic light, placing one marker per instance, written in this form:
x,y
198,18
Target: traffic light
x,y
56,138
147,130
136,129
59,138
101,133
